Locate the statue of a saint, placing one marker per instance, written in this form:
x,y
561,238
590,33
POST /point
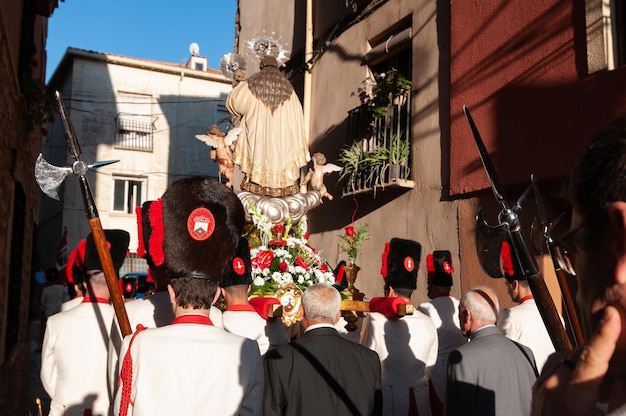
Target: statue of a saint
x,y
273,146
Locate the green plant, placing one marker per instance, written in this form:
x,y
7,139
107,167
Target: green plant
x,y
399,153
350,159
388,84
375,163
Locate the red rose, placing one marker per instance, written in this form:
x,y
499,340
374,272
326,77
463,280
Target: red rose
x,y
279,228
349,230
301,263
283,266
306,235
324,267
263,260
277,243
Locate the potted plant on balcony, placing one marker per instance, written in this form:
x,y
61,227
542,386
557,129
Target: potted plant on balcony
x,y
398,156
391,88
350,159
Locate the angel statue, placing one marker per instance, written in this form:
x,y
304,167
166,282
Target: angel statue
x,y
223,145
316,175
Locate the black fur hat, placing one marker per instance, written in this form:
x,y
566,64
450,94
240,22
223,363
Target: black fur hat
x,y
240,270
439,265
202,221
118,246
400,263
128,287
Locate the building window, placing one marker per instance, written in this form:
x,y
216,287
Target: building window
x,y
379,135
134,126
128,194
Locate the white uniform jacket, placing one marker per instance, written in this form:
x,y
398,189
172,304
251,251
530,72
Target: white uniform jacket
x,y
67,305
444,312
153,311
74,360
268,334
192,369
523,323
407,348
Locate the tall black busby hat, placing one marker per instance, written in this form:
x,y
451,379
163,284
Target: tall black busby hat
x,y
202,222
400,263
240,270
510,264
128,287
117,240
439,266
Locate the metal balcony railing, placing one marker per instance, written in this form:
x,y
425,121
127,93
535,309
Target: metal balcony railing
x,y
379,147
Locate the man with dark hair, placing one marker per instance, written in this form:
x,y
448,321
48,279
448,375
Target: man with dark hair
x,y
242,318
321,373
191,367
523,323
407,346
592,379
490,375
443,310
76,386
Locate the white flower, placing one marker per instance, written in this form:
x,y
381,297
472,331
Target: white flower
x,y
258,281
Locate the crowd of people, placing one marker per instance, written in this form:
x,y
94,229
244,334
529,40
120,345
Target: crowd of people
x,y
450,356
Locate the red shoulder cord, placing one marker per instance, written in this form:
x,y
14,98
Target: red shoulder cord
x,y
126,375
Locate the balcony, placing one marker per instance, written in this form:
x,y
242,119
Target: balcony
x,y
378,156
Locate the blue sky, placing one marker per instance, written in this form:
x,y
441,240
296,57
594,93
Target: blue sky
x,y
156,29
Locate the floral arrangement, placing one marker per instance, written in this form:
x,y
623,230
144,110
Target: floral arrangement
x,y
351,241
281,255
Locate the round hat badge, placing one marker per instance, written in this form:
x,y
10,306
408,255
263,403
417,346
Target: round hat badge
x,y
200,224
409,264
238,266
446,267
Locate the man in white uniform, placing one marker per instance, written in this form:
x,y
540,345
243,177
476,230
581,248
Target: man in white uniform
x,y
443,309
407,347
523,323
240,317
191,367
75,346
154,310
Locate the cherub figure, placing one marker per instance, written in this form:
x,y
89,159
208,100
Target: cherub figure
x,y
223,146
316,175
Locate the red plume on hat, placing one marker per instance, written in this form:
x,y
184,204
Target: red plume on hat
x,y
150,232
384,267
76,264
341,282
512,270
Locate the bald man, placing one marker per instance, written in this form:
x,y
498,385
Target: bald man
x,y
490,375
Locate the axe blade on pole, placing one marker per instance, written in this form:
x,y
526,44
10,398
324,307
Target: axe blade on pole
x,y
79,168
50,177
510,220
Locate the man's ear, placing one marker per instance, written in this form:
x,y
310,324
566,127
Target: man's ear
x,y
170,290
617,220
218,292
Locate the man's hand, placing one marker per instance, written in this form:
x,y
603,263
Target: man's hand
x,y
570,381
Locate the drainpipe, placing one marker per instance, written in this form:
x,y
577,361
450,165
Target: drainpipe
x,y
308,54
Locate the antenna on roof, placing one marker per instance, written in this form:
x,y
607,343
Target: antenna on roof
x,y
194,49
